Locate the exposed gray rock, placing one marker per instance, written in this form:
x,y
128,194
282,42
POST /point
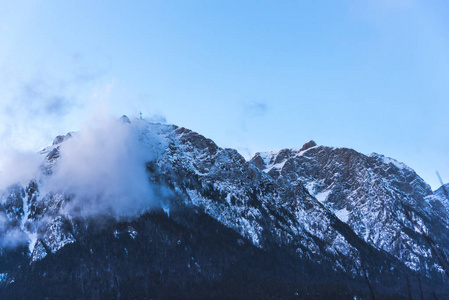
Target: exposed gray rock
x,y
381,199
308,145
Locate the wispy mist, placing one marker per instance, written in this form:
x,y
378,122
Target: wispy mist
x,y
13,238
102,168
10,237
18,167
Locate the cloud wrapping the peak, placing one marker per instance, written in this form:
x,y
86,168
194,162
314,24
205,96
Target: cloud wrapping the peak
x,y
102,168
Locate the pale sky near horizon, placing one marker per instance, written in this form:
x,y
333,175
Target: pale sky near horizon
x,y
251,75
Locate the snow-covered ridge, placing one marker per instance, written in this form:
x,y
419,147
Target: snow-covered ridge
x,y
294,197
375,195
276,159
389,160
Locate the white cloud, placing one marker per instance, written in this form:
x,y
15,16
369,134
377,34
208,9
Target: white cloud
x,y
103,167
18,167
13,238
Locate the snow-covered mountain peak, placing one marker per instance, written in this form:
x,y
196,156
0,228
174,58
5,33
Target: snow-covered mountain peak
x,y
267,161
62,138
375,195
308,145
326,206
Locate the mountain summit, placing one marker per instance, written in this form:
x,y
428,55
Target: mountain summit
x,y
132,209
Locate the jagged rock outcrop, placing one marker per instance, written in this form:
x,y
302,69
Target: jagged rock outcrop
x,y
382,200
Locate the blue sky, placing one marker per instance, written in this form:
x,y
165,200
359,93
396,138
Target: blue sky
x,y
251,75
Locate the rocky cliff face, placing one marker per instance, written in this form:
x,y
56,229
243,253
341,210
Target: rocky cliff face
x,y
383,201
316,214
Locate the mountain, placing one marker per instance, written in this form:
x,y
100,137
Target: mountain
x,y
309,223
381,199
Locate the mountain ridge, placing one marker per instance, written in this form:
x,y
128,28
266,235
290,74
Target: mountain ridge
x,y
281,206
